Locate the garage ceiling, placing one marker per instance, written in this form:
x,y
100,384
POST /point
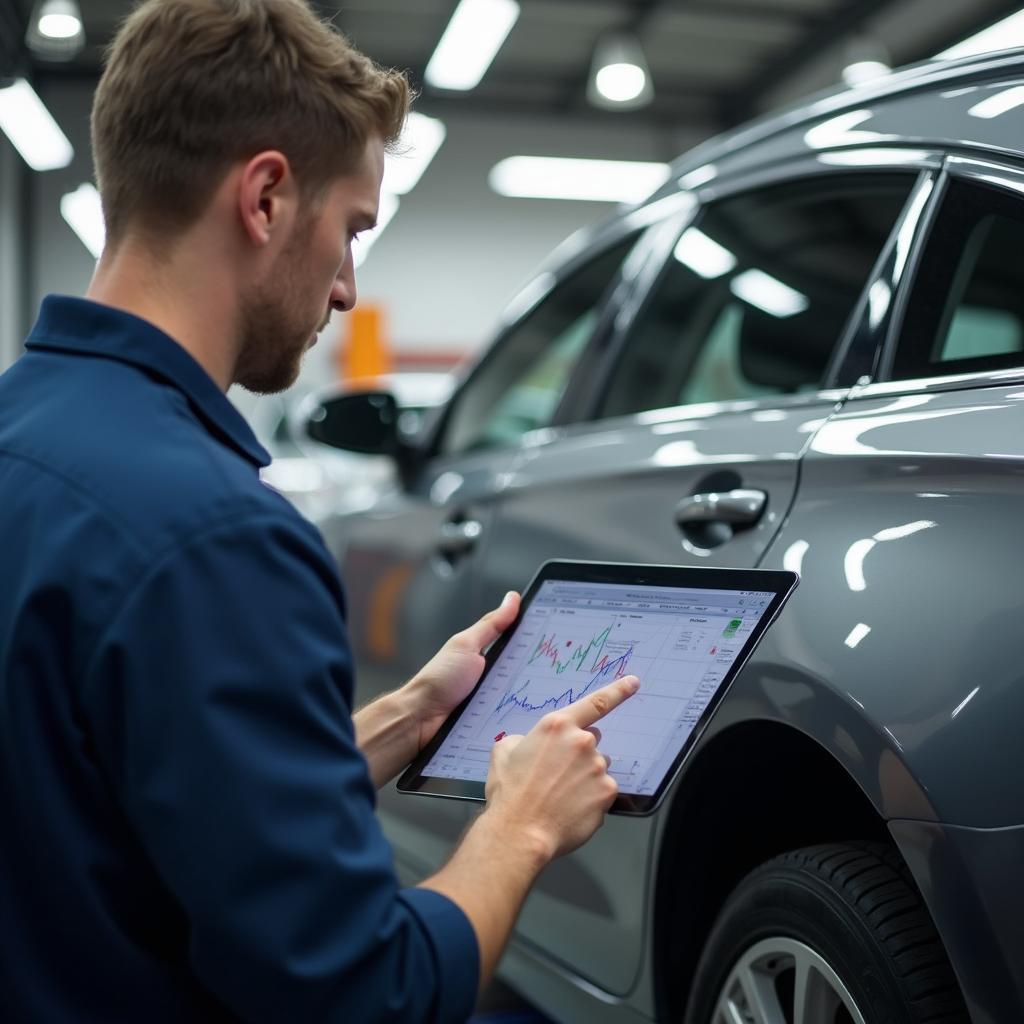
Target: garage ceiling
x,y
714,63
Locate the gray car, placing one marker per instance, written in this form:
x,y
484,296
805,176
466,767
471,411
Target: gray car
x,y
815,330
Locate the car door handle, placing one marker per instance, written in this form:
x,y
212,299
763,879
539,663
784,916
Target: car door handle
x,y
738,508
458,538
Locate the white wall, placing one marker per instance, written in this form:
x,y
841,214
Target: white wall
x,y
12,270
456,251
60,263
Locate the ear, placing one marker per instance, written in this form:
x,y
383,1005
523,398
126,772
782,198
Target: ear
x,y
267,197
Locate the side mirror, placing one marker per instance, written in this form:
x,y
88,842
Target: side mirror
x,y
365,422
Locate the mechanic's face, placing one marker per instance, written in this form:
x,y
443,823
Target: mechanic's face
x,y
312,277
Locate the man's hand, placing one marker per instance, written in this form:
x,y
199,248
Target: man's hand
x,y
445,681
553,781
547,793
393,729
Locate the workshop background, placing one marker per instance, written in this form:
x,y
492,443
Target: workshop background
x,y
507,92
466,233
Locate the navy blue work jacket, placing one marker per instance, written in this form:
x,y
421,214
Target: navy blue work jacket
x,y
187,827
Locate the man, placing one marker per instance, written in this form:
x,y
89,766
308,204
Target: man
x,y
187,801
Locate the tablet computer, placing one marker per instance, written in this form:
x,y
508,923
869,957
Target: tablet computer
x,y
686,632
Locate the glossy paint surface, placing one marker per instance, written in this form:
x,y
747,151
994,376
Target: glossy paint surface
x,y
907,532
609,492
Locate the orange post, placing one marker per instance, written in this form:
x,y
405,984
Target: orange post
x,y
365,351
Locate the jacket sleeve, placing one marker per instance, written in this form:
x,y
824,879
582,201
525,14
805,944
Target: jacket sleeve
x,y
220,703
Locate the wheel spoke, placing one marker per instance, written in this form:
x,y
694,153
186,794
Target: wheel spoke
x,y
750,994
727,1012
817,992
810,995
762,1002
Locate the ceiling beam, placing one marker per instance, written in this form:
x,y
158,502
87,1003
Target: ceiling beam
x,y
667,118
741,103
964,27
720,8
636,14
13,23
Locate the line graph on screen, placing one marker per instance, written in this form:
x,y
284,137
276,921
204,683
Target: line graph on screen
x,y
562,651
551,668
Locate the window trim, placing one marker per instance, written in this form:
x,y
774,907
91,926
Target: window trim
x,y
985,173
861,349
804,168
586,248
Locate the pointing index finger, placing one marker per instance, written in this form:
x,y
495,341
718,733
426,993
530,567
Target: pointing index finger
x,y
596,705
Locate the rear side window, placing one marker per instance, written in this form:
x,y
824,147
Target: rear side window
x,y
519,386
966,312
755,298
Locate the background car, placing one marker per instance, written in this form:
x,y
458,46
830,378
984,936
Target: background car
x,y
827,308
320,480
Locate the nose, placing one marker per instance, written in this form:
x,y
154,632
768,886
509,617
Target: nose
x,y
343,291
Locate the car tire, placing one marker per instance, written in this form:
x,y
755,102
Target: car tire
x,y
831,934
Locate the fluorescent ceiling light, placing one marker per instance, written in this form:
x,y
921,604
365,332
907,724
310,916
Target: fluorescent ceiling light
x,y
84,214
1000,103
59,26
421,139
703,255
55,31
619,76
862,72
31,129
1004,35
768,293
470,42
620,83
361,246
608,181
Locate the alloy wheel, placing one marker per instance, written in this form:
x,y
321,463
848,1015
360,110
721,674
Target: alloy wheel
x,y
782,981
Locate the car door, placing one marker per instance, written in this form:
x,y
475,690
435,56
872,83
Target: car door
x,y
690,456
909,511
907,532
410,562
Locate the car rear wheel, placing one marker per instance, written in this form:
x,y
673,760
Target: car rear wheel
x,y
833,934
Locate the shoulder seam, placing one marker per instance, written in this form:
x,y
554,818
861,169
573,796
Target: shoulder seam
x,y
109,512
167,554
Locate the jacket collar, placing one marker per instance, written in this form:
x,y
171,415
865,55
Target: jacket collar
x,y
82,327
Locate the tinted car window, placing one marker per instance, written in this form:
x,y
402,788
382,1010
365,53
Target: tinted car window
x,y
757,293
521,382
967,308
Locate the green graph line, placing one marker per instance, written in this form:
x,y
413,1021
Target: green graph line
x,y
547,648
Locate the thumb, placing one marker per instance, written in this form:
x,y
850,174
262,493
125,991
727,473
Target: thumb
x,y
488,628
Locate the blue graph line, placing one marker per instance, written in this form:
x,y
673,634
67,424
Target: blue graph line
x,y
613,669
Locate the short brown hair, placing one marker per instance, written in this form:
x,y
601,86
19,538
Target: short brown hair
x,y
191,86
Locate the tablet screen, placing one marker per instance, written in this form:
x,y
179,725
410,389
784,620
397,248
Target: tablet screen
x,y
577,636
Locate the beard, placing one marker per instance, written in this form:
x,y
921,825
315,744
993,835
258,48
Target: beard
x,y
276,328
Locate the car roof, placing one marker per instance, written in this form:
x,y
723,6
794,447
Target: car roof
x,y
931,105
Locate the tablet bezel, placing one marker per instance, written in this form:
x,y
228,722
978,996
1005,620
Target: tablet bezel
x,y
780,583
